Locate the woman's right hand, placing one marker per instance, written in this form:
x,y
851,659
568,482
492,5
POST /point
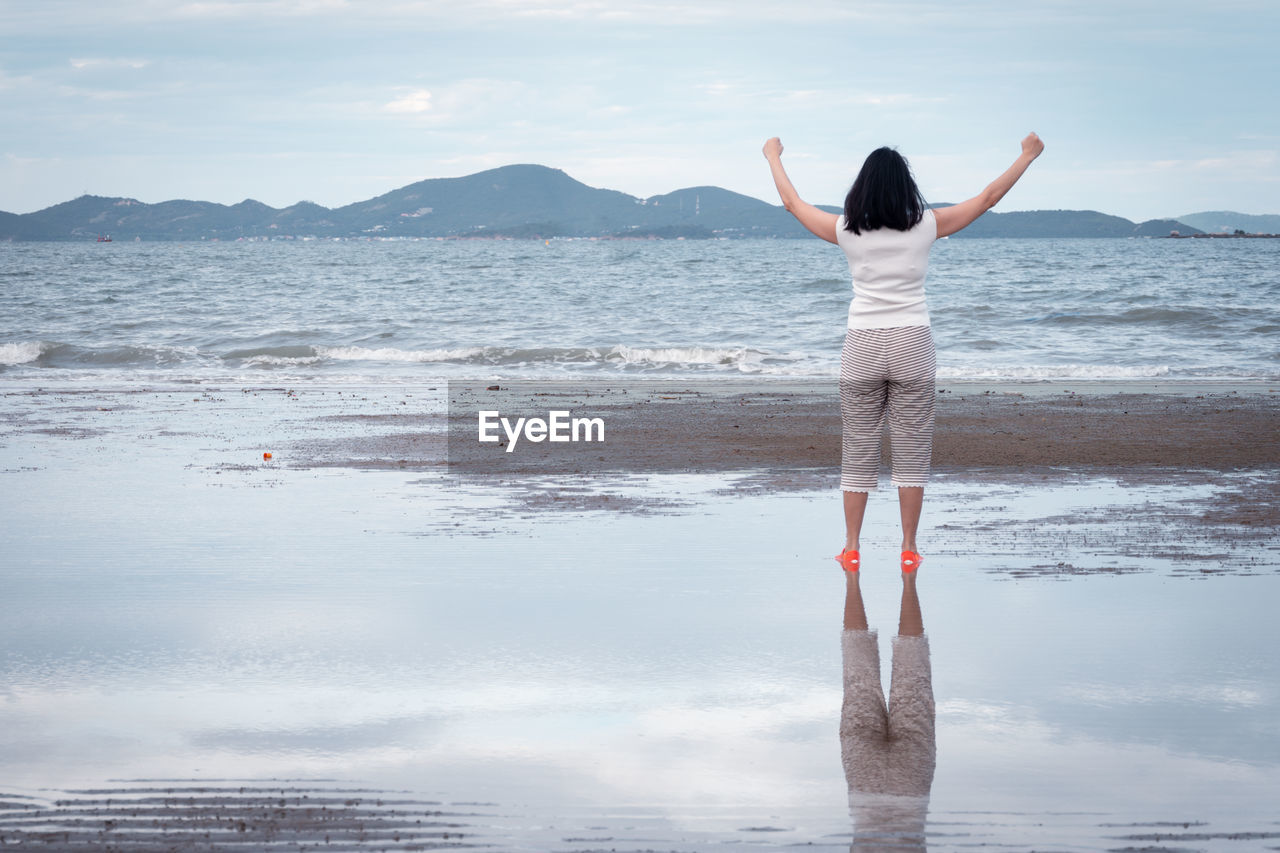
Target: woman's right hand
x,y
1032,145
772,148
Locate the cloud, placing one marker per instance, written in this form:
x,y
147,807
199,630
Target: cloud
x,y
1258,163
840,95
101,94
94,63
717,88
892,98
658,13
488,103
19,162
259,8
415,101
8,81
571,10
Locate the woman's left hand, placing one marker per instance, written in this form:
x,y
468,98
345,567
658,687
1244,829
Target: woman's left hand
x,y
772,148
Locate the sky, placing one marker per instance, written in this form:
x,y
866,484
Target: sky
x,y
1147,109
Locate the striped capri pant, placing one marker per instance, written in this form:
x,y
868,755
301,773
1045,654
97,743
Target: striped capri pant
x,y
886,373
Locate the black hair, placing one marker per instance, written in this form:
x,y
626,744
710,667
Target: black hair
x,y
884,195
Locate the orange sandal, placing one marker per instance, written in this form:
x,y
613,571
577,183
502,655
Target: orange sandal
x,y
849,560
911,561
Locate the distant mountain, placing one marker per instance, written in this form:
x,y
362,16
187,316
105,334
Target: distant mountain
x,y
1228,221
1068,223
15,227
1163,228
513,201
724,212
494,200
521,201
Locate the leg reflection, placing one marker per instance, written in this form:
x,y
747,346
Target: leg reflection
x,y
888,749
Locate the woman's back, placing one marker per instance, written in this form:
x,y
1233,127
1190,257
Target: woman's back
x,y
888,268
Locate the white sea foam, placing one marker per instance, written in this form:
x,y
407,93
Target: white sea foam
x,y
318,354
283,360
21,352
394,354
740,357
1054,371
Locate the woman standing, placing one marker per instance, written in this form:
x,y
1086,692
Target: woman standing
x,y
887,367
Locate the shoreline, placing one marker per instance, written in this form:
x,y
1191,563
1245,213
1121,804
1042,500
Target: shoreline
x,y
655,426
764,436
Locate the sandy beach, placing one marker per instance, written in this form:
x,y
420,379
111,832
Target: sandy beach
x,y
1001,430
782,437
1004,431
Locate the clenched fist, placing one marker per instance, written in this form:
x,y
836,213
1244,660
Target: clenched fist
x,y
1032,145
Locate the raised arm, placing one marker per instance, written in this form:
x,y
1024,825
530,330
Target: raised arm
x,y
818,221
958,216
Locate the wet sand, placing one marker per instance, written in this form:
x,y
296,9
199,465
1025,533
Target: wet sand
x,y
250,817
706,427
766,436
1216,446
787,437
664,427
189,815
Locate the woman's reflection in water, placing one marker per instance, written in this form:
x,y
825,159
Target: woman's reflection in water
x,y
889,751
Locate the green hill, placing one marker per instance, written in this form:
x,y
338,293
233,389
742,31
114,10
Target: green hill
x,y
517,202
1068,223
723,212
495,200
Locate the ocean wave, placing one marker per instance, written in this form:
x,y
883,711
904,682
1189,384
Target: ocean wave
x,y
393,354
1233,373
20,357
22,352
1054,371
302,355
51,354
741,359
281,352
128,354
825,285
1159,316
618,357
282,361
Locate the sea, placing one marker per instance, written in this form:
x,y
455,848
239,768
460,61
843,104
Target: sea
x,y
392,311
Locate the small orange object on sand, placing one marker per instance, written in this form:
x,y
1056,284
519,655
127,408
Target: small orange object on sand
x,y
266,456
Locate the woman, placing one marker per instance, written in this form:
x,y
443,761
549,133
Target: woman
x,y
887,366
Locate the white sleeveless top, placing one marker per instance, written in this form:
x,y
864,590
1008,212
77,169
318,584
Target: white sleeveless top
x,y
888,269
